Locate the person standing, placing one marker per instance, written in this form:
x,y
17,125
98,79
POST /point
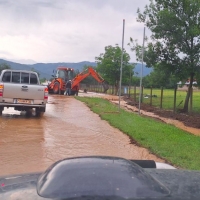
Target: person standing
x,y
68,87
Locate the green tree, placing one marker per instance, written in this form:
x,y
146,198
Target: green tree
x,y
42,80
75,73
160,78
135,80
109,64
175,45
4,66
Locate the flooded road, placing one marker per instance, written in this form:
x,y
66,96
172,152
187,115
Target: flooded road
x,y
67,129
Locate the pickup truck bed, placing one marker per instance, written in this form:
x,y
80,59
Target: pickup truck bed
x,y
22,90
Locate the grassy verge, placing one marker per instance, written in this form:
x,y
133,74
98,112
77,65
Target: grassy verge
x,y
168,142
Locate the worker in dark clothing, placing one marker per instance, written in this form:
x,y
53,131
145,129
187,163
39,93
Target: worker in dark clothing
x,y
68,87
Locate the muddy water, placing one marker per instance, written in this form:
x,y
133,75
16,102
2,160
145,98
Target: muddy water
x,y
67,129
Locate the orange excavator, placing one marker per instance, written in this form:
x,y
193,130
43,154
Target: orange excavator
x,y
58,84
63,74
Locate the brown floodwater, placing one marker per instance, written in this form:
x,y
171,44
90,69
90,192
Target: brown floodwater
x,y
67,129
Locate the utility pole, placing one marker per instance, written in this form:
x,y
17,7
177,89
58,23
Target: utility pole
x,y
120,82
140,97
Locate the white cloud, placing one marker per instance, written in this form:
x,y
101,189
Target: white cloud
x,y
64,30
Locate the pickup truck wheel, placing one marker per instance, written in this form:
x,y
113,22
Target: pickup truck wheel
x,y
39,114
1,110
29,112
56,88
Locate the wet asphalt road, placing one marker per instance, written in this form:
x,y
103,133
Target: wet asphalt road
x,y
67,129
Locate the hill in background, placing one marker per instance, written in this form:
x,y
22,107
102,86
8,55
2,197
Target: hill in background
x,y
46,69
146,70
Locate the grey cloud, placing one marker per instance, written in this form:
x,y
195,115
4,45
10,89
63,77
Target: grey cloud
x,y
119,5
4,2
38,11
79,28
5,53
43,3
32,12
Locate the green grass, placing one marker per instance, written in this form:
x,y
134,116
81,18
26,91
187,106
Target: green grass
x,y
168,99
166,141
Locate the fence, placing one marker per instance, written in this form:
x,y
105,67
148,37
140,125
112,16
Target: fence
x,y
99,89
172,99
169,99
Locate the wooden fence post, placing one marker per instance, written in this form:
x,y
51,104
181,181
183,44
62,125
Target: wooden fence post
x,y
175,89
161,98
151,96
135,93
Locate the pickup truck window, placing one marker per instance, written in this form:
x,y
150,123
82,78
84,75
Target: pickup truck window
x,y
33,79
6,77
20,77
16,77
25,77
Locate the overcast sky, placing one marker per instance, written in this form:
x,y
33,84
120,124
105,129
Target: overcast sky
x,y
66,30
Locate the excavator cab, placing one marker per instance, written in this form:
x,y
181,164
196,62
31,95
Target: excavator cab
x,y
58,84
64,74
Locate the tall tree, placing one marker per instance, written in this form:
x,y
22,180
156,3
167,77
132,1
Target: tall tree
x,y
109,64
160,78
175,45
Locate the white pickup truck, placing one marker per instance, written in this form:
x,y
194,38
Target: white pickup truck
x,y
22,90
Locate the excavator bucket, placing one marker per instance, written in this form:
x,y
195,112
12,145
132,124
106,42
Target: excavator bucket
x,y
105,86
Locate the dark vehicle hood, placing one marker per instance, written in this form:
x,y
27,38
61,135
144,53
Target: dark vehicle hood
x,y
107,177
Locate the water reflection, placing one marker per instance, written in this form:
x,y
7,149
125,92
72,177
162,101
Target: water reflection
x,y
21,138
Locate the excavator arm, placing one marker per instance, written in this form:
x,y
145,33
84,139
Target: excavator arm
x,y
89,72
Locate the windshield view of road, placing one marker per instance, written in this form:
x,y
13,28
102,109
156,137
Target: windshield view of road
x,y
67,129
100,99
